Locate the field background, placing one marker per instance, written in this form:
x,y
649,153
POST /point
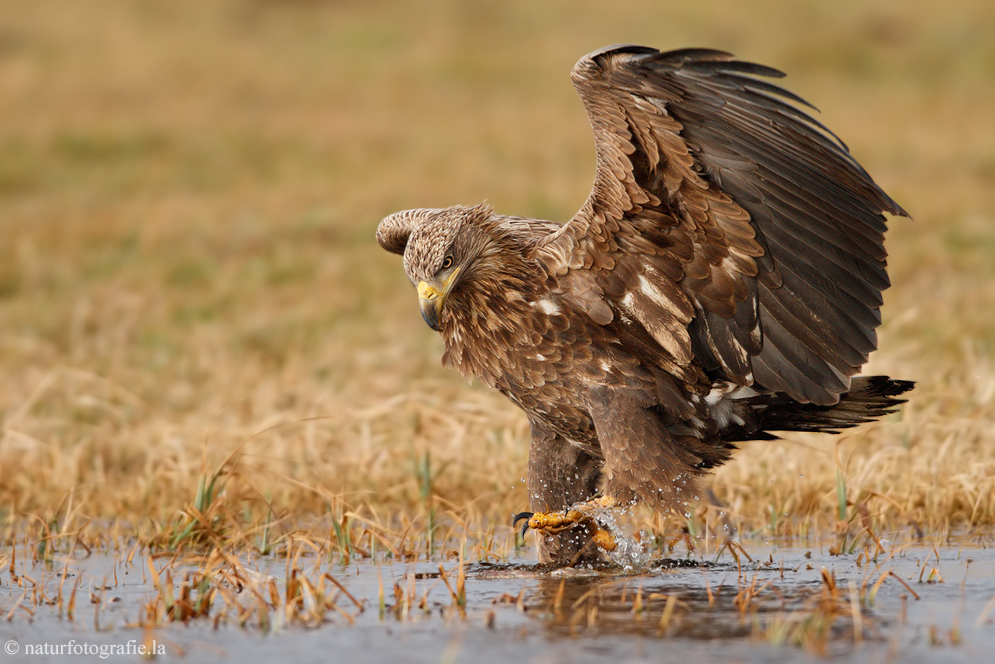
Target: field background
x,y
189,279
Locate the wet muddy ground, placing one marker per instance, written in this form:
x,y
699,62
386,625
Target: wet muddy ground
x,y
913,601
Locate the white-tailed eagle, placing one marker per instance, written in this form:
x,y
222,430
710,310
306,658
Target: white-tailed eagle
x,y
722,281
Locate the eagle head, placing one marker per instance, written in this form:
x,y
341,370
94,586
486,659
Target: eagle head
x,y
440,248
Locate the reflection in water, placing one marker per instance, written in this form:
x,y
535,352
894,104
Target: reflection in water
x,y
699,600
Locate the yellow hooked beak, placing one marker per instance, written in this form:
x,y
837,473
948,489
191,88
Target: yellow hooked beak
x,y
431,300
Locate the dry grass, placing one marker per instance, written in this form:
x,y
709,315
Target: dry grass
x,y
201,342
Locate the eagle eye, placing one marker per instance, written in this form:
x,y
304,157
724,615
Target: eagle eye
x,y
447,262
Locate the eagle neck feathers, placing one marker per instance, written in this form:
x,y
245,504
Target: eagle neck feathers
x,y
488,315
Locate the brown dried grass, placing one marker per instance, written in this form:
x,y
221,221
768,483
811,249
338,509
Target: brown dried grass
x,y
189,286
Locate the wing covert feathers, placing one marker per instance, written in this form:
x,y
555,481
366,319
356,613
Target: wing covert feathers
x,y
729,223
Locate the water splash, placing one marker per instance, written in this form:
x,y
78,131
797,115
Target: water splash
x,y
630,553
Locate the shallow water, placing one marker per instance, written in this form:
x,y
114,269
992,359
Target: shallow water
x,y
789,603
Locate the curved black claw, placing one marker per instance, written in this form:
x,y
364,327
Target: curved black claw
x,y
519,517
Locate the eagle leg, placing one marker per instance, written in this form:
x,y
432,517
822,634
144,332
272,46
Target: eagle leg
x,y
561,474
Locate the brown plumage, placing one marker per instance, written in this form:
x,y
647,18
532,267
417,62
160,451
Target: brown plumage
x,y
723,280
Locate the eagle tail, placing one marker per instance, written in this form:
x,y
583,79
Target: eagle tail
x,y
869,398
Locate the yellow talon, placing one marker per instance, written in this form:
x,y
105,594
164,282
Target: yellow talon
x,y
605,540
551,523
555,522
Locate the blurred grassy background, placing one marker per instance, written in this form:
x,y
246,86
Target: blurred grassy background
x,y
189,192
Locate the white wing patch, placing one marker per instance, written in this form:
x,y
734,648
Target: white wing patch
x,y
547,307
721,400
661,316
654,293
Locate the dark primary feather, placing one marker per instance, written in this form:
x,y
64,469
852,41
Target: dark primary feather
x,y
722,280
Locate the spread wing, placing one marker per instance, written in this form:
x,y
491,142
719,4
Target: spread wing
x,y
732,226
